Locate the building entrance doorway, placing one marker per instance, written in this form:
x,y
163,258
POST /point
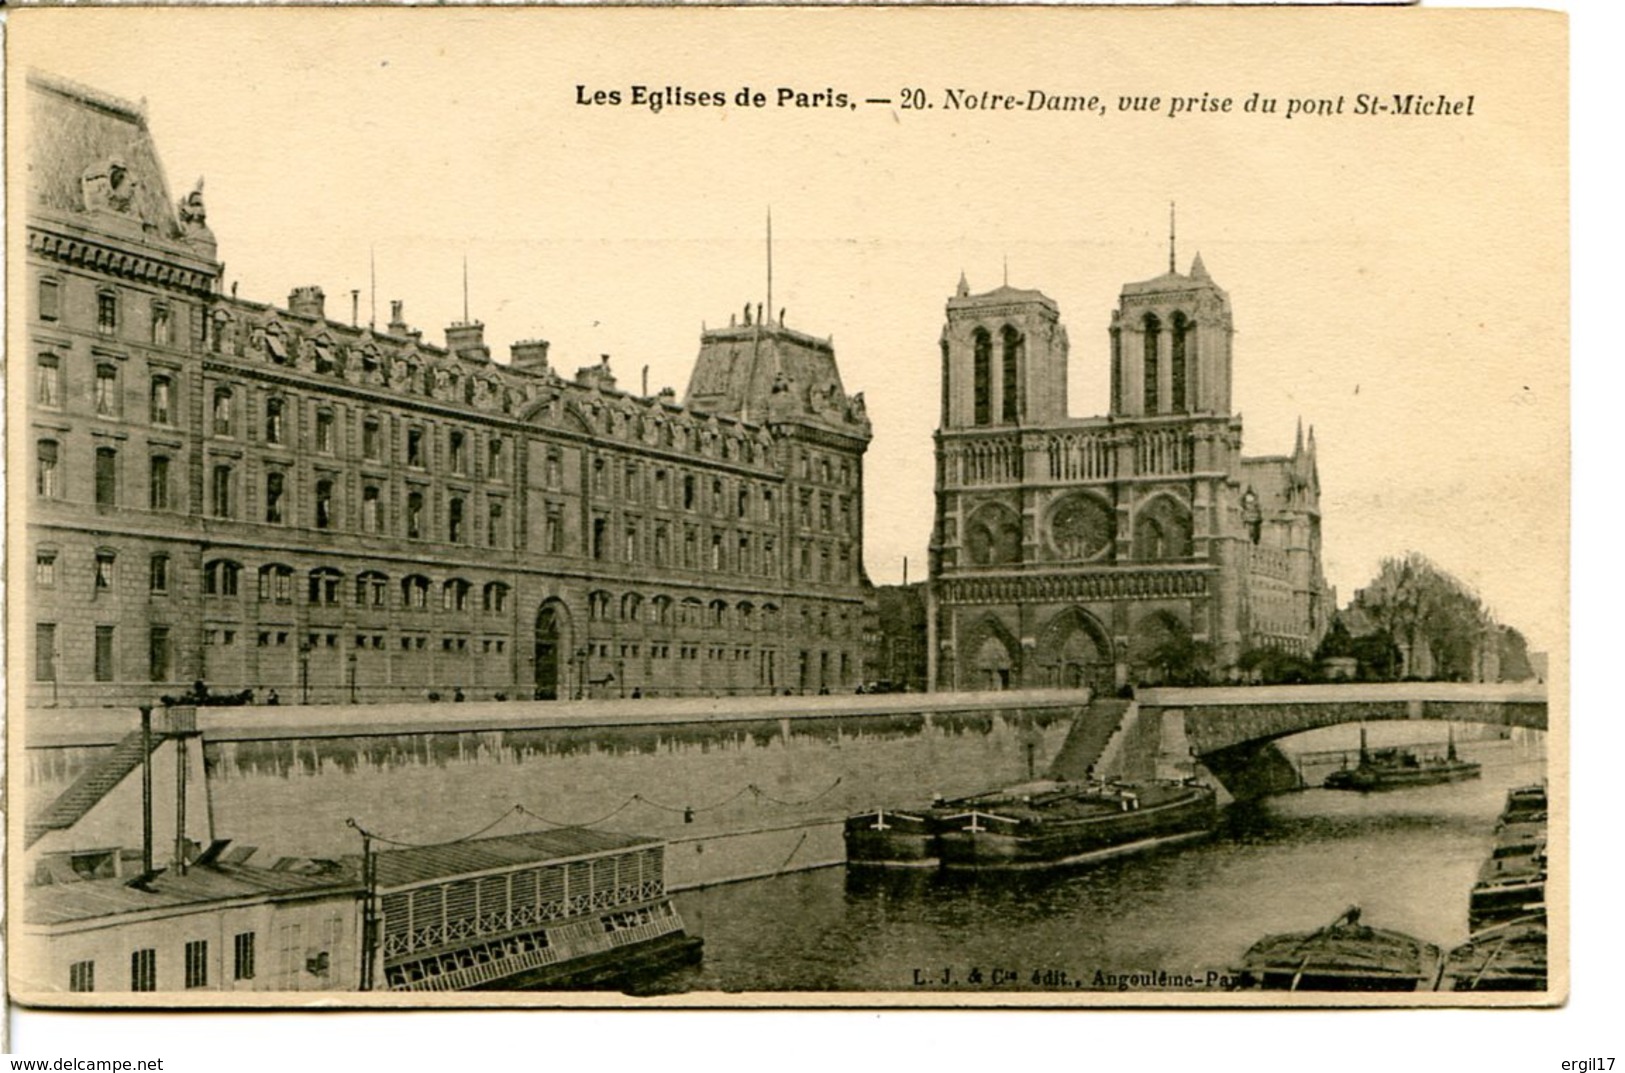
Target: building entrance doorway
x,y
548,642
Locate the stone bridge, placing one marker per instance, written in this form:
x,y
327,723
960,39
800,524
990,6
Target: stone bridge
x,y
1231,731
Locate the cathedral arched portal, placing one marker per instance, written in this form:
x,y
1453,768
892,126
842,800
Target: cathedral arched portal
x,y
990,656
552,647
1162,650
1074,651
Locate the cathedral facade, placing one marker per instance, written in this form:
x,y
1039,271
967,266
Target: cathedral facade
x,y
1141,546
266,498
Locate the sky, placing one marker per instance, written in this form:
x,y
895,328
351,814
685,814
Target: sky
x,y
1398,283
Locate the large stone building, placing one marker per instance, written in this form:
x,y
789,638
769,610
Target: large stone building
x,y
1109,550
265,498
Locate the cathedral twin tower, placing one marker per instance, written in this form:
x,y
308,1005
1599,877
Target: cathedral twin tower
x,y
1103,551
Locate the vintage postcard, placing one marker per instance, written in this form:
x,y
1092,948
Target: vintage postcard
x,y
767,507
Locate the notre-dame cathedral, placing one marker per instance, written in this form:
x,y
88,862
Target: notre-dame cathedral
x,y
1136,547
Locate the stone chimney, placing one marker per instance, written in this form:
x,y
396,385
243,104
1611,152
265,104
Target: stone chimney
x,y
466,339
597,376
529,355
397,321
307,302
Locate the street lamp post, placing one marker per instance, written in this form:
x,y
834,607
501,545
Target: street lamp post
x,y
352,676
304,673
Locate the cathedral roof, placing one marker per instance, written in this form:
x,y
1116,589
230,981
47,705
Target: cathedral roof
x,y
1002,295
1198,279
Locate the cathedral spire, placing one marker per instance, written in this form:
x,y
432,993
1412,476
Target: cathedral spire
x,y
963,290
1171,269
1198,269
1297,448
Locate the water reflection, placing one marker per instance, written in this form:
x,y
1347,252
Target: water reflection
x,y
1176,918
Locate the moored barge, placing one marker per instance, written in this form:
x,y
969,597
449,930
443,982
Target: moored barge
x,y
1506,957
1041,824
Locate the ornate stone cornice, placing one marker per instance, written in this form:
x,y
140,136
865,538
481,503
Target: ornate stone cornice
x,y
1113,585
108,259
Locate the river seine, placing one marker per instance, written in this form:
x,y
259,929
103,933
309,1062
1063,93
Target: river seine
x,y
1174,920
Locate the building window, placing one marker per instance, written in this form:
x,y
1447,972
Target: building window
x,y
104,570
458,447
243,961
414,447
160,324
631,548
104,654
662,544
1011,347
688,491
600,532
1176,369
106,477
50,300
274,409
662,489
414,515
982,377
496,459
324,586
555,467
371,498
276,583
107,312
275,488
158,483
716,551
454,519
223,425
324,503
45,569
144,970
45,652
324,431
632,484
106,391
496,597
158,573
220,492
197,963
47,479
553,533
161,400
372,440
496,529
221,578
371,589
1153,329
82,976
600,476
454,595
415,592
158,654
48,390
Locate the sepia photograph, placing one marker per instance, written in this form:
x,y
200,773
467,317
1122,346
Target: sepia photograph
x,y
798,507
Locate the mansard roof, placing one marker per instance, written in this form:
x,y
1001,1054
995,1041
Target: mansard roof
x,y
77,137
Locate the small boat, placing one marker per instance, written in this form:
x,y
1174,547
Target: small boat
x,y
1343,956
1041,824
1506,957
1393,769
